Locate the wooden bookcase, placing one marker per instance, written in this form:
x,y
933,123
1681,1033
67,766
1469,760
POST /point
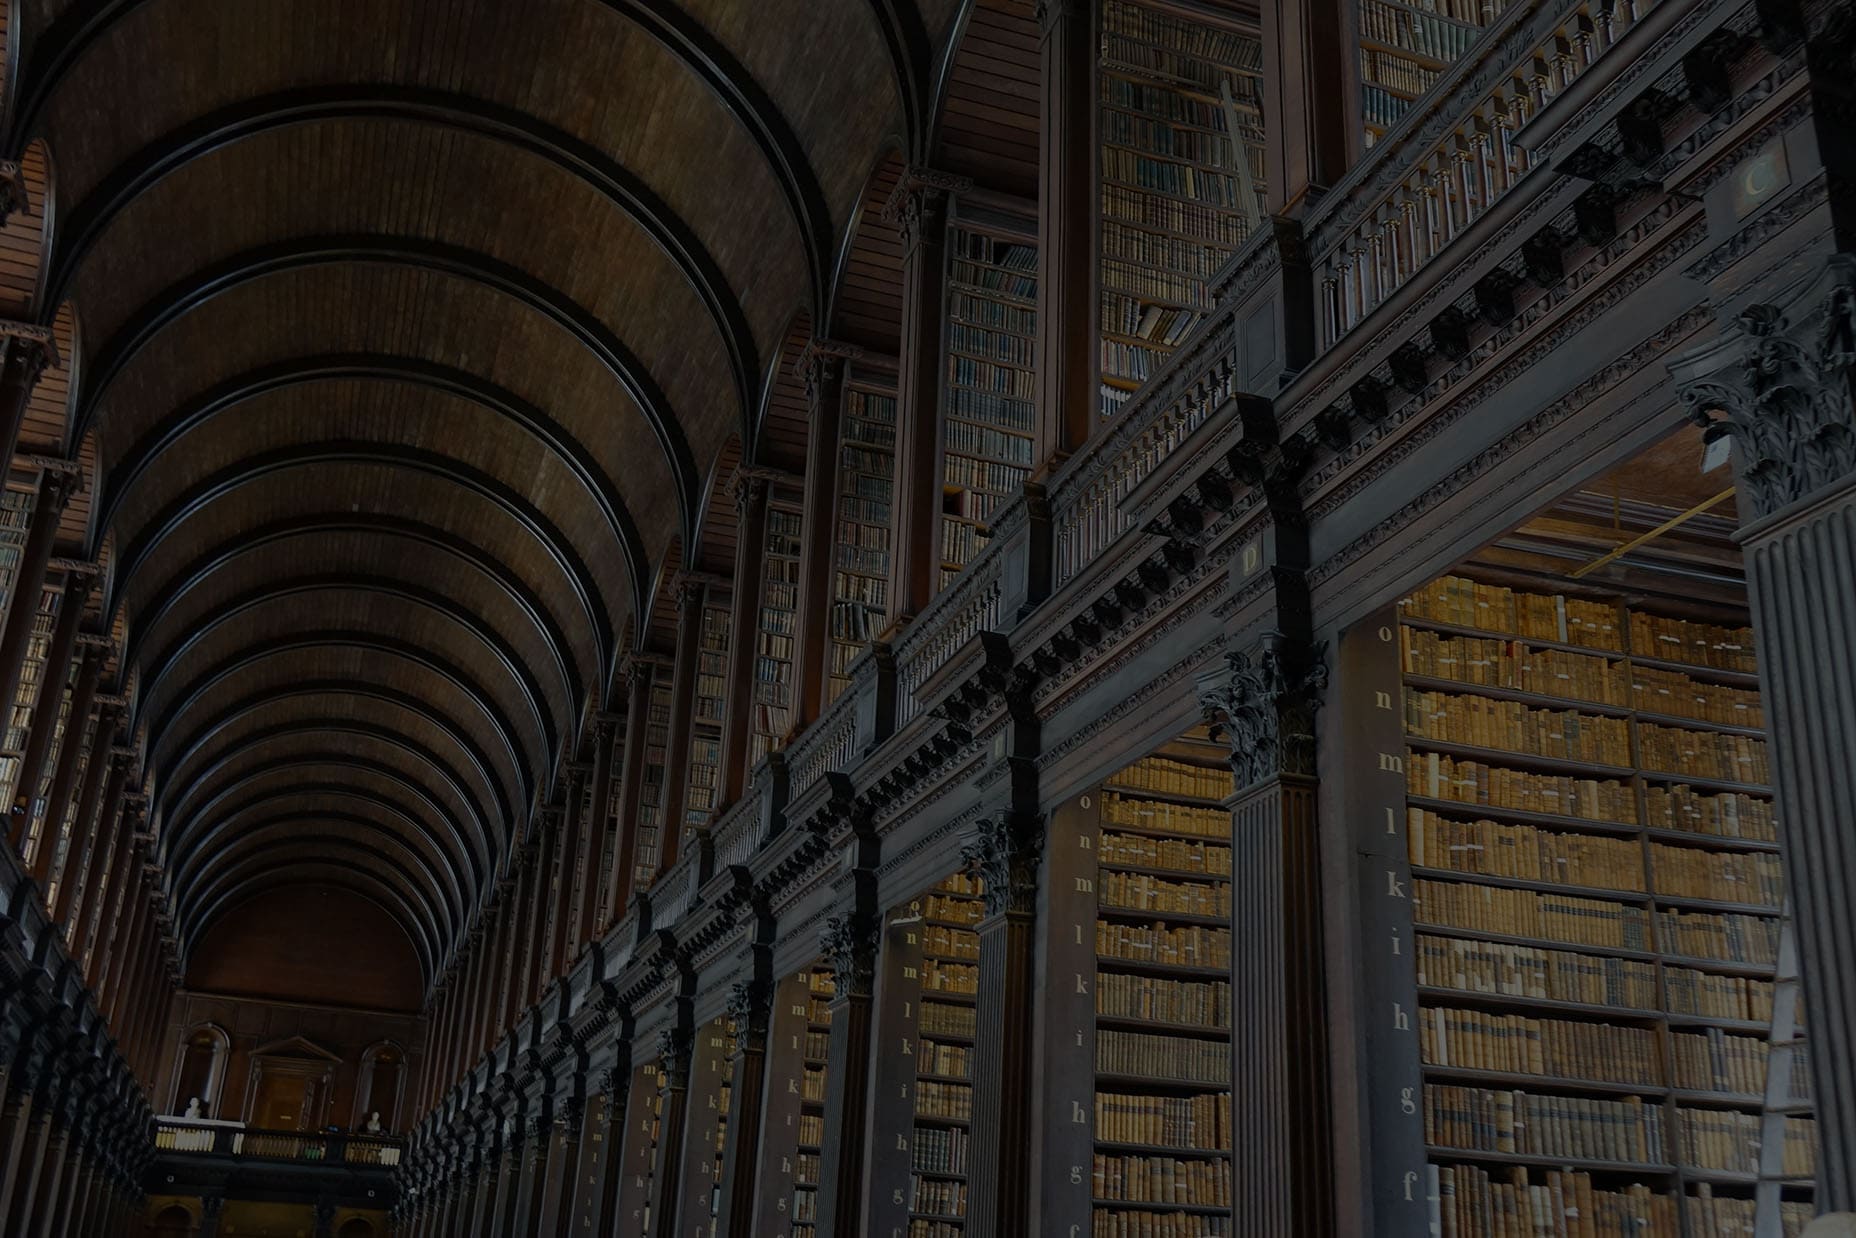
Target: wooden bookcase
x,y
67,860
15,521
707,707
39,831
31,678
815,1048
989,414
865,525
651,787
1583,875
608,830
785,1168
1181,170
777,628
1405,46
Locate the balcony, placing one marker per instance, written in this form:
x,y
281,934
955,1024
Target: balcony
x,y
231,1160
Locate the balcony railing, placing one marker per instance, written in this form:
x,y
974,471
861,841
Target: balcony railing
x,y
233,1139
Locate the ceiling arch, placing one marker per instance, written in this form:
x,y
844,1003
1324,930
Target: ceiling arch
x,y
260,872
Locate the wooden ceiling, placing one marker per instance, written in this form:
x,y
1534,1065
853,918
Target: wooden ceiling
x,y
408,345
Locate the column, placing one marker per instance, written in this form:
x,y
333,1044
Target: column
x,y
1778,383
472,1208
749,1005
1066,230
682,701
78,726
596,1184
29,581
38,1142
535,940
822,365
531,1168
505,1206
849,943
16,1124
675,1048
43,724
26,351
919,208
1006,849
635,1148
744,621
599,816
210,1209
563,1160
325,1219
567,854
708,1073
51,1190
1264,700
106,778
631,784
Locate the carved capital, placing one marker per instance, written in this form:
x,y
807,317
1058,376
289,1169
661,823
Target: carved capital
x,y
31,346
821,367
1051,12
750,490
750,1005
56,489
849,944
918,205
13,195
1263,703
674,1045
1004,850
1778,383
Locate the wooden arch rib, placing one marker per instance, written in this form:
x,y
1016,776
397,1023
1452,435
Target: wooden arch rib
x,y
268,536
419,254
226,397
553,543
910,56
503,656
627,192
701,53
389,815
384,854
258,873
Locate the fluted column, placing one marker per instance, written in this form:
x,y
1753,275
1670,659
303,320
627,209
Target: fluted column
x,y
561,924
1779,383
596,1184
919,208
674,1052
849,944
106,780
751,493
749,1005
555,1213
79,733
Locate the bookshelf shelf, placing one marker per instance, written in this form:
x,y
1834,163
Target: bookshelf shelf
x,y
1150,967
1131,1023
1153,1205
1612,867
1161,1149
1117,866
1165,797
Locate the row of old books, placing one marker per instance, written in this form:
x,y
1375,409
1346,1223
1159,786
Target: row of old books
x,y
1428,34
939,1151
1626,1131
1160,325
1137,245
943,1100
1527,913
1518,1044
1202,1003
939,1196
1687,991
944,977
1469,603
1169,777
1679,695
1188,1123
925,1227
985,311
1144,892
1713,1060
1710,1216
1726,876
1189,945
1532,972
1009,412
1727,815
1692,641
953,909
944,1019
1187,1059
1492,662
1188,819
1730,938
1396,72
935,1058
1469,1202
1702,754
1180,855
949,943
1112,1224
1161,1180
1523,852
1564,734
1440,777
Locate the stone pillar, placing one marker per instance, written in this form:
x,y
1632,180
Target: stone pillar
x,y
26,352
596,1184
1262,702
675,1048
1067,353
44,723
682,702
751,492
822,366
919,208
749,1004
1778,382
849,944
22,608
563,1159
708,1074
631,784
1006,849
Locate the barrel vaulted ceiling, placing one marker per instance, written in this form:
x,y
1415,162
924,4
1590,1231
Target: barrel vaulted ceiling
x,y
406,339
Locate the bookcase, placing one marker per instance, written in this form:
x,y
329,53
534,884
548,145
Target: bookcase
x,y
31,676
792,1119
815,1049
865,525
776,631
1404,47
607,832
654,1151
989,417
15,521
651,786
1591,889
39,831
707,706
1181,171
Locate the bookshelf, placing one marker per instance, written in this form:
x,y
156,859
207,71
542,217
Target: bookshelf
x,y
945,1027
651,787
653,1153
989,417
31,675
39,831
15,521
608,830
1596,907
1181,170
707,708
777,628
1404,47
815,1048
865,524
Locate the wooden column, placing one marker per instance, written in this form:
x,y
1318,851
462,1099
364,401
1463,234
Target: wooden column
x,y
774,1169
749,1004
1007,849
505,1208
51,1190
111,917
682,701
636,1150
1311,86
78,728
535,939
631,784
1066,231
16,1116
1265,698
751,491
823,366
884,1195
919,208
531,1168
599,814
107,838
596,1185
39,1134
675,1050
471,1208
509,995
1779,382
29,580
708,1074
26,352
562,1163
849,943
43,726
561,945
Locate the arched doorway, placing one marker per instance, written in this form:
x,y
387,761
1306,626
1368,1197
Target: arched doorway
x,y
173,1222
383,1069
201,1070
356,1228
